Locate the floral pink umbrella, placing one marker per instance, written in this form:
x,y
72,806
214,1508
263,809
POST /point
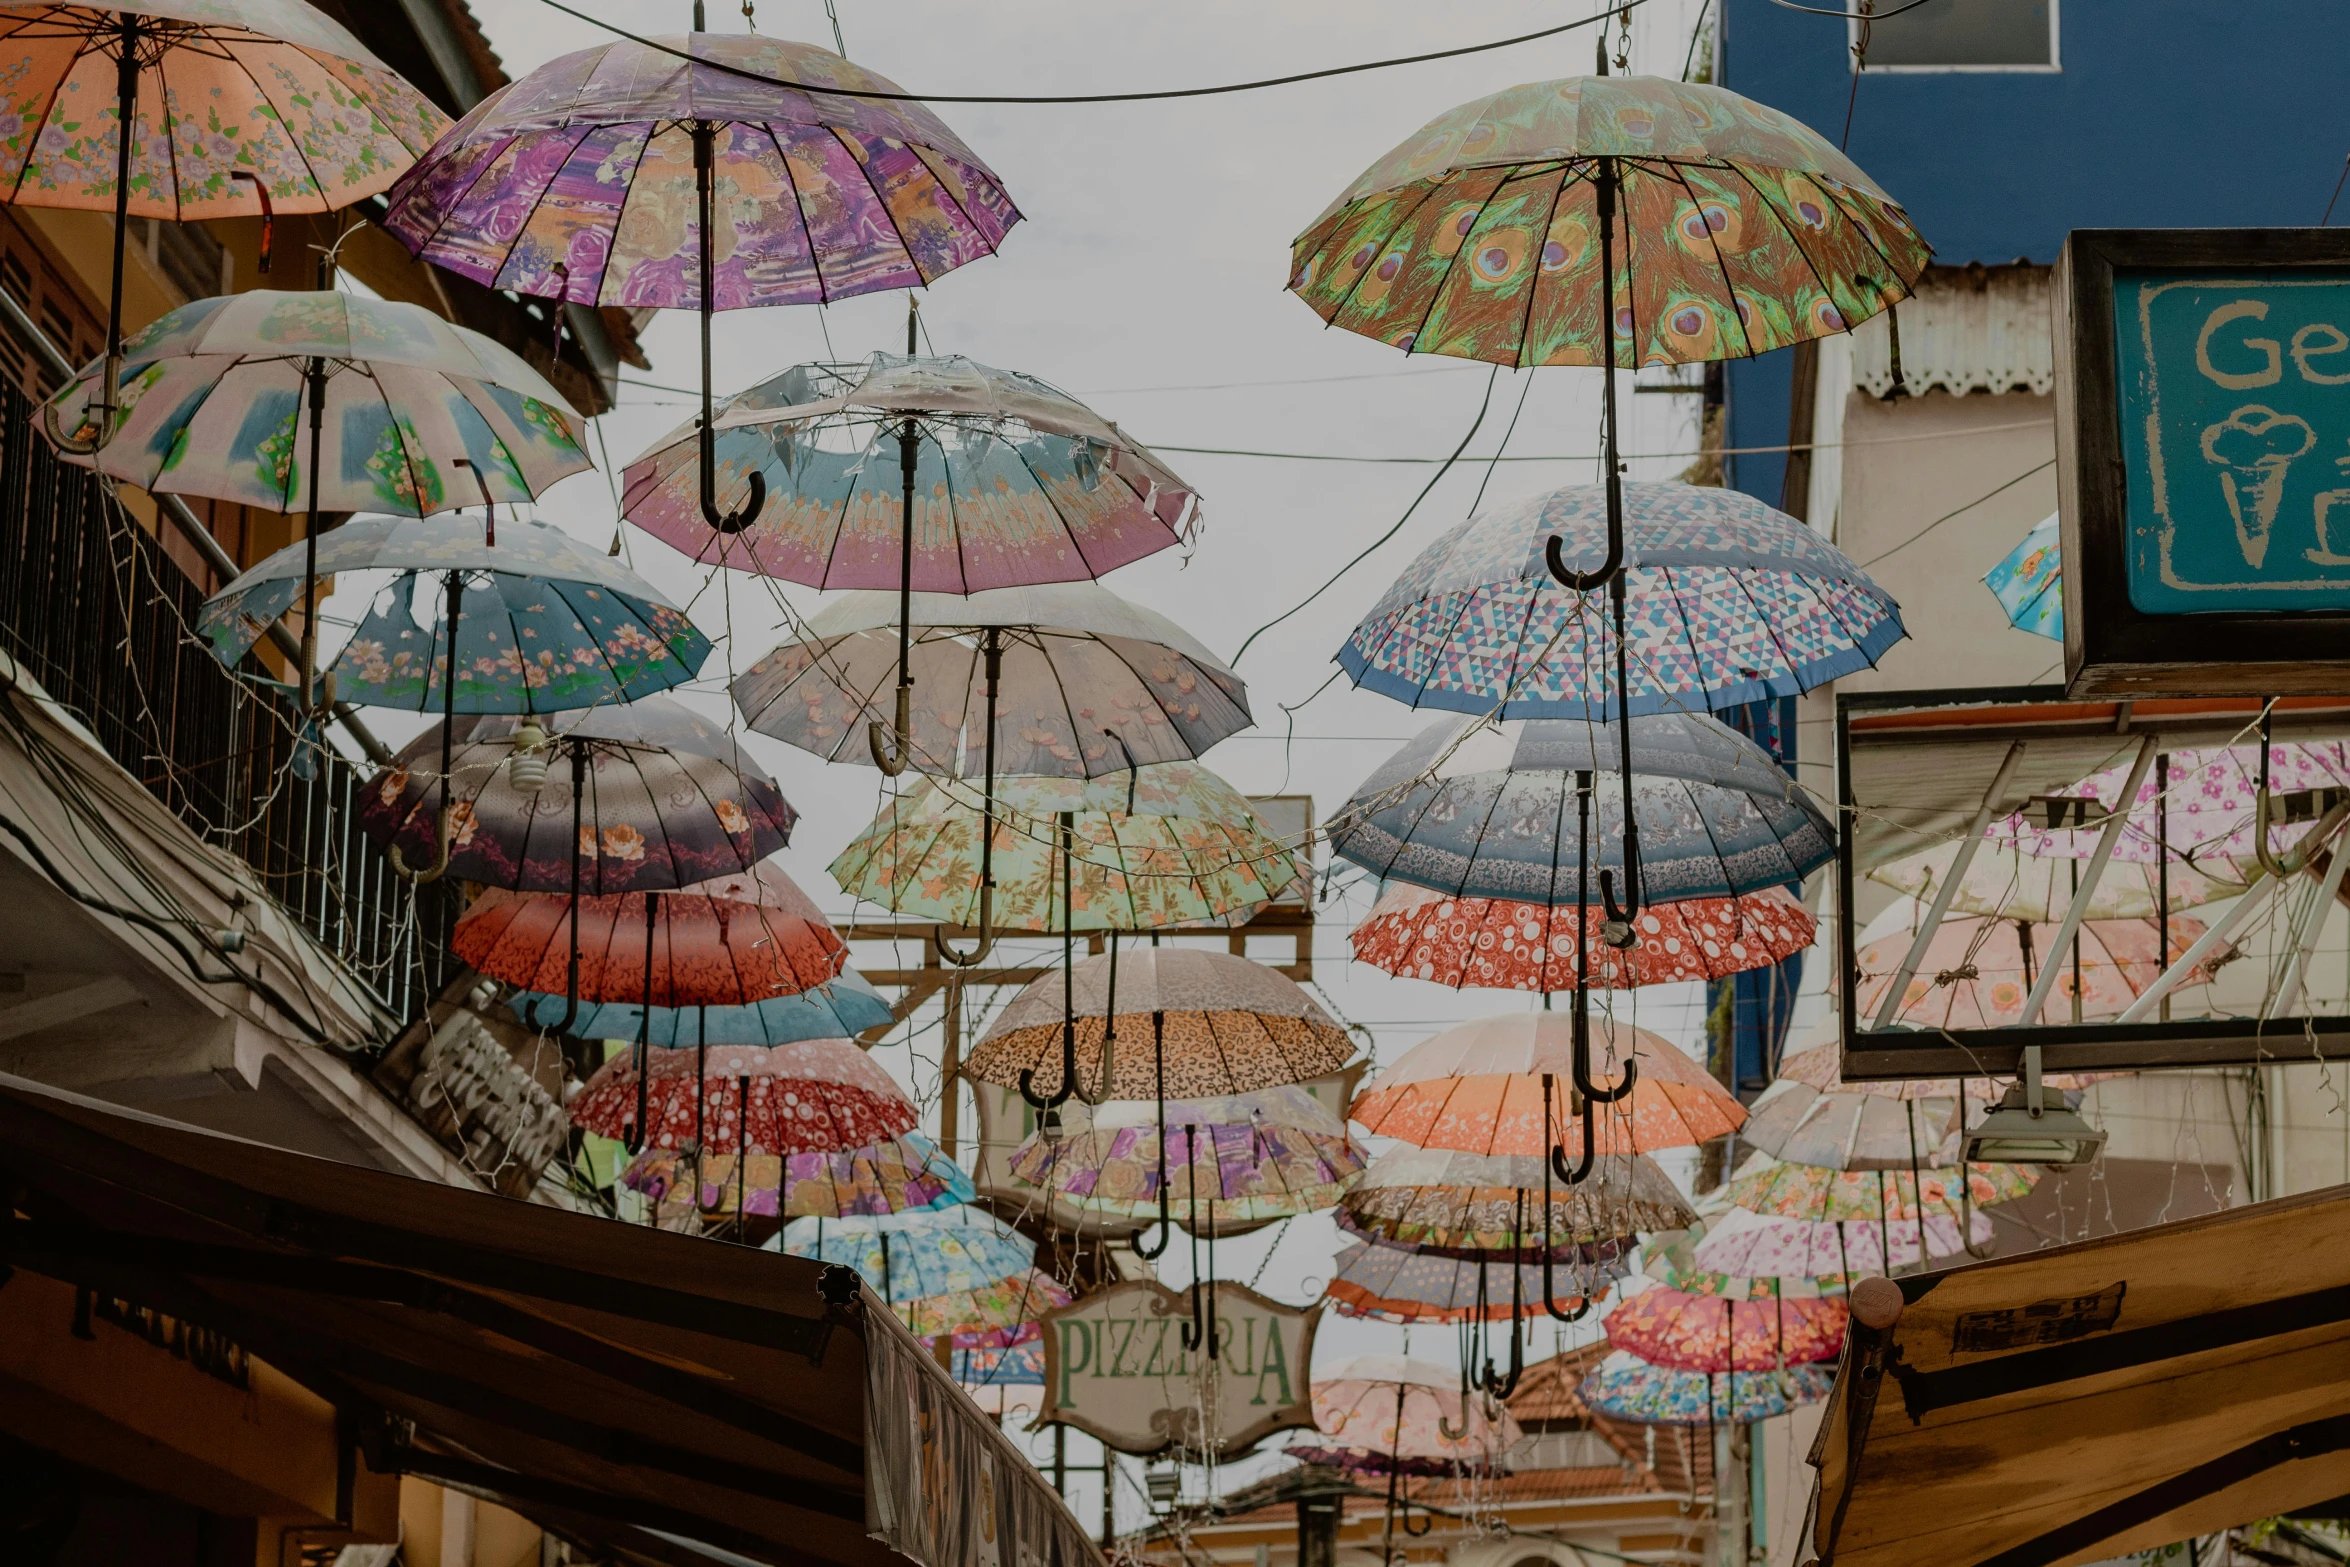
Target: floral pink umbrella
x,y
2209,802
1410,1410
1977,972
1502,944
1769,1246
1668,1327
810,1095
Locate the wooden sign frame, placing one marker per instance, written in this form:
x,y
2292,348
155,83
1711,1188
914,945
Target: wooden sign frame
x,y
2111,648
1172,1427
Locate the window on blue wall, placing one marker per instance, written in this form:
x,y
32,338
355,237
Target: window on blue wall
x,y
1963,35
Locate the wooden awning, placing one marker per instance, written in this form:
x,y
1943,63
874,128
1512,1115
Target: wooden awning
x,y
681,1398
2090,1400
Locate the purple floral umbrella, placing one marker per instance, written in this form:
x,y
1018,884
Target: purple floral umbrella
x,y
597,178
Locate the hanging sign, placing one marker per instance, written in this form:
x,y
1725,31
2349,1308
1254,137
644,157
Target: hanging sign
x,y
1116,1368
2203,461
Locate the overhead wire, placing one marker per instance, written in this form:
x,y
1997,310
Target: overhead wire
x,y
1155,95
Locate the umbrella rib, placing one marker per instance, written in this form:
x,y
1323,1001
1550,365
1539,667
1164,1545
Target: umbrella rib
x,y
1076,546
41,122
170,141
1688,636
913,264
1541,236
799,213
840,511
292,141
1525,634
1789,229
1770,629
1402,219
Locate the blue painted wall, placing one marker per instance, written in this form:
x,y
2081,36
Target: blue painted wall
x,y
2167,113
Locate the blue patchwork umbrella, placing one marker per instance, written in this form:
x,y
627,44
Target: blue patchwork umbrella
x,y
1491,810
841,1009
1726,600
926,1251
1632,1389
2029,582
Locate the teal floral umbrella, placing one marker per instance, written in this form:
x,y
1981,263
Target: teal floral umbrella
x,y
2029,582
841,1008
943,1270
1632,1389
321,401
538,621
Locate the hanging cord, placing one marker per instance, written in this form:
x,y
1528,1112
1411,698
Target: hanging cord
x,y
840,45
1860,63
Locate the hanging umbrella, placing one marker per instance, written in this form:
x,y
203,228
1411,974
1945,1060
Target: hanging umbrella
x,y
840,1008
1236,1159
1839,1129
1396,1284
1685,1332
1191,1024
1090,683
1670,1259
955,1271
235,107
654,795
602,178
893,1176
1409,1409
1768,1246
1166,844
1627,1388
941,475
2005,884
2213,796
303,402
810,1096
1014,1365
1729,601
2029,582
1977,972
1478,1087
1504,944
1820,1066
735,941
1766,1186
1463,1202
1490,810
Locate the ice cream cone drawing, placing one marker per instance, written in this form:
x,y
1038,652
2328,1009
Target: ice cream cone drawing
x,y
2252,448
2322,514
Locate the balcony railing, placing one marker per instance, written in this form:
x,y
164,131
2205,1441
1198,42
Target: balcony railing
x,y
93,608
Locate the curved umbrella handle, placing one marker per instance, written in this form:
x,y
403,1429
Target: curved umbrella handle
x,y
1068,1077
1166,1227
1558,1155
986,944
893,761
72,445
1404,1519
1555,558
268,213
743,516
440,865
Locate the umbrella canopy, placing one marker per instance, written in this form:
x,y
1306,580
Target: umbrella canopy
x,y
1080,665
577,182
273,88
1396,1284
1670,1258
956,1271
1015,481
1407,1409
1631,1389
1503,944
213,404
1840,1129
2212,796
1766,1246
1488,810
1683,1332
1463,1202
1820,1066
893,1176
812,1095
667,798
1738,231
1229,1026
1769,1187
1477,1087
840,1008
1977,972
547,623
2029,582
1727,601
1013,1365
735,941
1166,844
2006,884
1236,1159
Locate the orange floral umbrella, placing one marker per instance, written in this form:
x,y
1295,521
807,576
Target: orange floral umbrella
x,y
1667,1327
1502,944
1478,1088
734,941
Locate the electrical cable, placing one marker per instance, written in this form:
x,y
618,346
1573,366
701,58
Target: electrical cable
x,y
1960,511
1115,97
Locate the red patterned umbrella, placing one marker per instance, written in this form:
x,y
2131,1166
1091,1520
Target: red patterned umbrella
x,y
1667,1327
735,941
1502,944
812,1095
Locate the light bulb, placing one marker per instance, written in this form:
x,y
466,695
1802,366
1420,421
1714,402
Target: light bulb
x,y
526,768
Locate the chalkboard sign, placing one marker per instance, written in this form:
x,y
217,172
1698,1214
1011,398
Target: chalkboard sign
x,y
2203,442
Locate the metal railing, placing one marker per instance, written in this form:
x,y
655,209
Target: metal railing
x,y
94,608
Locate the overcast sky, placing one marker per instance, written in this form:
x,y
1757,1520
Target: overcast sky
x,y
1147,278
